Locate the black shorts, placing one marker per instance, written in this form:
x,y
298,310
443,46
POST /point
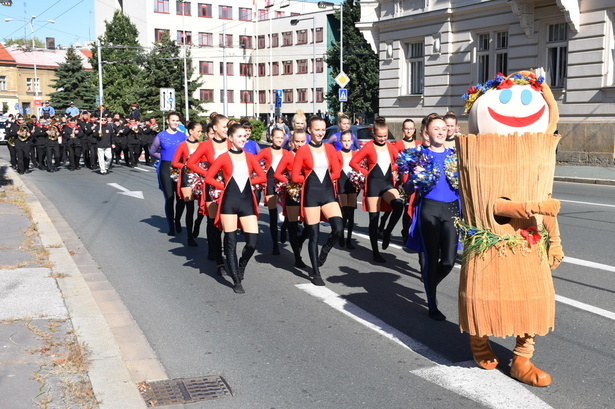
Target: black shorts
x,y
378,183
344,185
236,201
317,193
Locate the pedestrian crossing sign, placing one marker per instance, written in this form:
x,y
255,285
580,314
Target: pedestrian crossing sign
x,y
343,95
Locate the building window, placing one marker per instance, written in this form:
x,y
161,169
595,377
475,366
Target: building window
x,y
262,97
557,54
320,96
279,14
205,39
245,14
415,64
501,52
319,65
275,68
206,67
159,33
261,42
262,71
287,38
319,34
245,70
287,67
182,8
483,58
207,95
263,14
204,10
247,97
288,95
2,83
245,42
225,12
161,6
302,95
230,96
229,68
226,40
302,37
302,67
275,41
184,37
30,82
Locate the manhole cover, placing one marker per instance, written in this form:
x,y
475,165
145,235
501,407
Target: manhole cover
x,y
184,390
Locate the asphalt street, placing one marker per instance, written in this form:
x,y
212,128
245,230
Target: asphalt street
x,y
363,341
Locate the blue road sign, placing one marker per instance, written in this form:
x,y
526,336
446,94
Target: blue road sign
x,y
343,95
278,98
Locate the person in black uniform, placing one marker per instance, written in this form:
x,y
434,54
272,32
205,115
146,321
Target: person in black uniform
x,y
10,141
85,125
53,133
92,136
150,130
71,137
35,129
121,142
103,132
21,136
133,141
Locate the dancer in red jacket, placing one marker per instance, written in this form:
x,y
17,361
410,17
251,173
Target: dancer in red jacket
x,y
237,203
379,184
317,166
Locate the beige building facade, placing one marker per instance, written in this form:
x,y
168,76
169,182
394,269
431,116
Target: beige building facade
x,y
431,51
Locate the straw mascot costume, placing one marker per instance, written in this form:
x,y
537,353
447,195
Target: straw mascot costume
x,y
509,231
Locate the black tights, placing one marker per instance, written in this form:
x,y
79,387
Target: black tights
x,y
314,231
214,241
236,270
439,238
191,225
273,227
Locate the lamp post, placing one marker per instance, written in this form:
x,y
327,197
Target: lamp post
x,y
294,23
325,4
35,80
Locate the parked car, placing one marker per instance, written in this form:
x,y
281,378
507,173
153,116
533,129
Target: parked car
x,y
363,133
3,129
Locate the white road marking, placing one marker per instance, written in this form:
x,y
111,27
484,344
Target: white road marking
x,y
492,389
586,203
585,307
123,191
589,264
142,169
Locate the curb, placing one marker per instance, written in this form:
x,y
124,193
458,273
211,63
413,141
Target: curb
x,y
592,181
110,378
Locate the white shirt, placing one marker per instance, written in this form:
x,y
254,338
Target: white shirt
x,y
240,172
321,164
275,161
384,160
346,166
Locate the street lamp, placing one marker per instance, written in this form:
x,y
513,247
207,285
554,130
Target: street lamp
x,y
294,23
6,2
31,22
324,5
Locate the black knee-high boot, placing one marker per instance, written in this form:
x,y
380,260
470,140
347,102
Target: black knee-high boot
x,y
373,236
283,231
211,253
273,230
247,252
398,208
179,211
405,224
313,231
336,231
197,224
349,210
341,240
190,223
230,249
295,243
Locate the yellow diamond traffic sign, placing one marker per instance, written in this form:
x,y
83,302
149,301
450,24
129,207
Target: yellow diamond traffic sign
x,y
342,79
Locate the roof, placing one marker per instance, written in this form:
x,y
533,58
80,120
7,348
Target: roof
x,y
44,58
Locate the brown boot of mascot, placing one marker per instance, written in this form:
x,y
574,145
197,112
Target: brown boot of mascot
x,y
522,369
481,350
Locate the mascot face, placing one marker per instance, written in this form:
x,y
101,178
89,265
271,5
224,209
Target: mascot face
x,y
512,104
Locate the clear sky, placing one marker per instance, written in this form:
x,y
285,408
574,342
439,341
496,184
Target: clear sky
x,y
74,20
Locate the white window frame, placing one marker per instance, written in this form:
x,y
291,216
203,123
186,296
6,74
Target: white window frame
x,y
3,82
559,47
415,67
29,82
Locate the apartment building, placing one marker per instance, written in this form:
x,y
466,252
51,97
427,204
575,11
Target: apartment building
x,y
242,50
431,51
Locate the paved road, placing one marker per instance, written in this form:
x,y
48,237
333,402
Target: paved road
x,y
365,339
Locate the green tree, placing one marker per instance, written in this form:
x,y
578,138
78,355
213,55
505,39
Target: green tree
x,y
72,83
360,64
122,57
24,42
165,69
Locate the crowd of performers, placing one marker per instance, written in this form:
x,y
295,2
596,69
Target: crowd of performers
x,y
312,180
97,142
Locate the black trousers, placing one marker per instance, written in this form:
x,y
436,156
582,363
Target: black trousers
x,y
439,238
22,154
74,155
53,150
13,155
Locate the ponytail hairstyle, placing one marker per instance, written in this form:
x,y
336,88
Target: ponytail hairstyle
x,y
232,130
191,125
380,123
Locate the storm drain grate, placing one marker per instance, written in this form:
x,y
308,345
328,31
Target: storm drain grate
x,y
184,390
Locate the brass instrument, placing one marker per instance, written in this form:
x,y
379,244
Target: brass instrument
x,y
135,128
52,132
156,128
24,133
11,141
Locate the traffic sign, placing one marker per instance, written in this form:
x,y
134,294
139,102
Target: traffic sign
x,y
342,79
343,95
37,102
278,98
167,99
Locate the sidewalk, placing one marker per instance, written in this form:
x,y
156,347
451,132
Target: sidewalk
x,y
49,313
58,349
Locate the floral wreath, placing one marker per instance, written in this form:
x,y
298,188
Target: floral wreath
x,y
410,158
500,82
